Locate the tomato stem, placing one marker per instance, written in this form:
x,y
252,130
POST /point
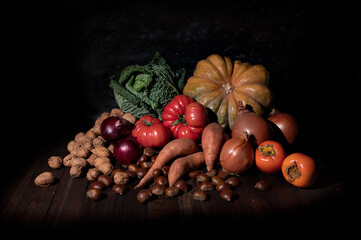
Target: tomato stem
x,y
293,172
181,119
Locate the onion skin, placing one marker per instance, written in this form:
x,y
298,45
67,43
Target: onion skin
x,y
254,125
237,155
285,123
127,150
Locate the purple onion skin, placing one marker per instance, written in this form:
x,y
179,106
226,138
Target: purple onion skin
x,y
127,150
114,128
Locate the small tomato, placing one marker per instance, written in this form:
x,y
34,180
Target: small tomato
x,y
150,132
300,170
269,157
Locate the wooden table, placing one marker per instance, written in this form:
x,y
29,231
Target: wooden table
x,y
64,204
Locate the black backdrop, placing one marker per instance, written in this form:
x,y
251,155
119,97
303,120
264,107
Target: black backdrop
x,y
61,53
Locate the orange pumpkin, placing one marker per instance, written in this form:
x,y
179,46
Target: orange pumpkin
x,y
221,85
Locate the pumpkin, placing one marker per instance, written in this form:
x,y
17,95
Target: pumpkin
x,y
222,86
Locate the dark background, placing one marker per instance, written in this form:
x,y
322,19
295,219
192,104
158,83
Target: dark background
x,y
61,52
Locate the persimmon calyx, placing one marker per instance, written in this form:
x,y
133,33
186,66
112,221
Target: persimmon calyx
x,y
293,172
267,150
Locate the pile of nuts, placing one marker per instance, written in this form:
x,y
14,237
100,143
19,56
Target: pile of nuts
x,y
90,153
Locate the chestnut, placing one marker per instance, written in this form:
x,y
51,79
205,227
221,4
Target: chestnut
x,y
262,185
141,172
133,167
193,174
217,180
203,178
227,195
144,196
172,191
206,186
106,179
200,195
98,185
223,174
157,172
94,194
158,189
233,181
165,170
223,186
182,185
161,180
119,188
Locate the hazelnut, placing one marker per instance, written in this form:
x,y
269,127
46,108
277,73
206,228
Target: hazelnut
x,y
200,195
144,196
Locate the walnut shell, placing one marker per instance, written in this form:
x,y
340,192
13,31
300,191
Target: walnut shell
x,y
45,179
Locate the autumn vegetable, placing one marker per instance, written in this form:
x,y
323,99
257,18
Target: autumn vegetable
x,y
146,90
185,118
284,126
254,125
127,150
221,85
237,155
183,165
212,140
175,148
150,132
300,170
269,157
114,128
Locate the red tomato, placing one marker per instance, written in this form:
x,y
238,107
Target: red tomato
x,y
185,118
150,132
269,157
300,170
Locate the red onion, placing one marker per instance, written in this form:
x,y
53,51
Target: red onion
x,y
237,155
127,150
254,125
284,123
114,128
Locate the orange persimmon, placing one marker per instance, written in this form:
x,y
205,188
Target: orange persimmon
x,y
300,170
269,157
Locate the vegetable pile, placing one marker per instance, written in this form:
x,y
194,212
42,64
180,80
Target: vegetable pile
x,y
162,138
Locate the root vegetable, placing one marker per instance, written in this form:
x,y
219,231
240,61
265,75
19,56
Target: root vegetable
x,y
183,165
176,148
212,140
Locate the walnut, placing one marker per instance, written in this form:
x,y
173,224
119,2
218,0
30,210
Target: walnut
x,y
45,179
98,141
67,160
92,174
104,165
70,145
91,159
79,137
121,177
87,143
55,162
82,152
101,151
77,165
130,118
116,112
90,134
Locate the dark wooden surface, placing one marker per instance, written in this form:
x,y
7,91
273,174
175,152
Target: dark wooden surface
x,y
64,204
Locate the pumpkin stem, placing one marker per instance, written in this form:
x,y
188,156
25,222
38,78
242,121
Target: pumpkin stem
x,y
228,87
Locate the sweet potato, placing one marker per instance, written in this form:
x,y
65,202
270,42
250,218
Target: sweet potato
x,y
175,148
183,165
212,140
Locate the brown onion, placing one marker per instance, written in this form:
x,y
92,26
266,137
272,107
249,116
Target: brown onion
x,y
254,125
285,123
237,155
